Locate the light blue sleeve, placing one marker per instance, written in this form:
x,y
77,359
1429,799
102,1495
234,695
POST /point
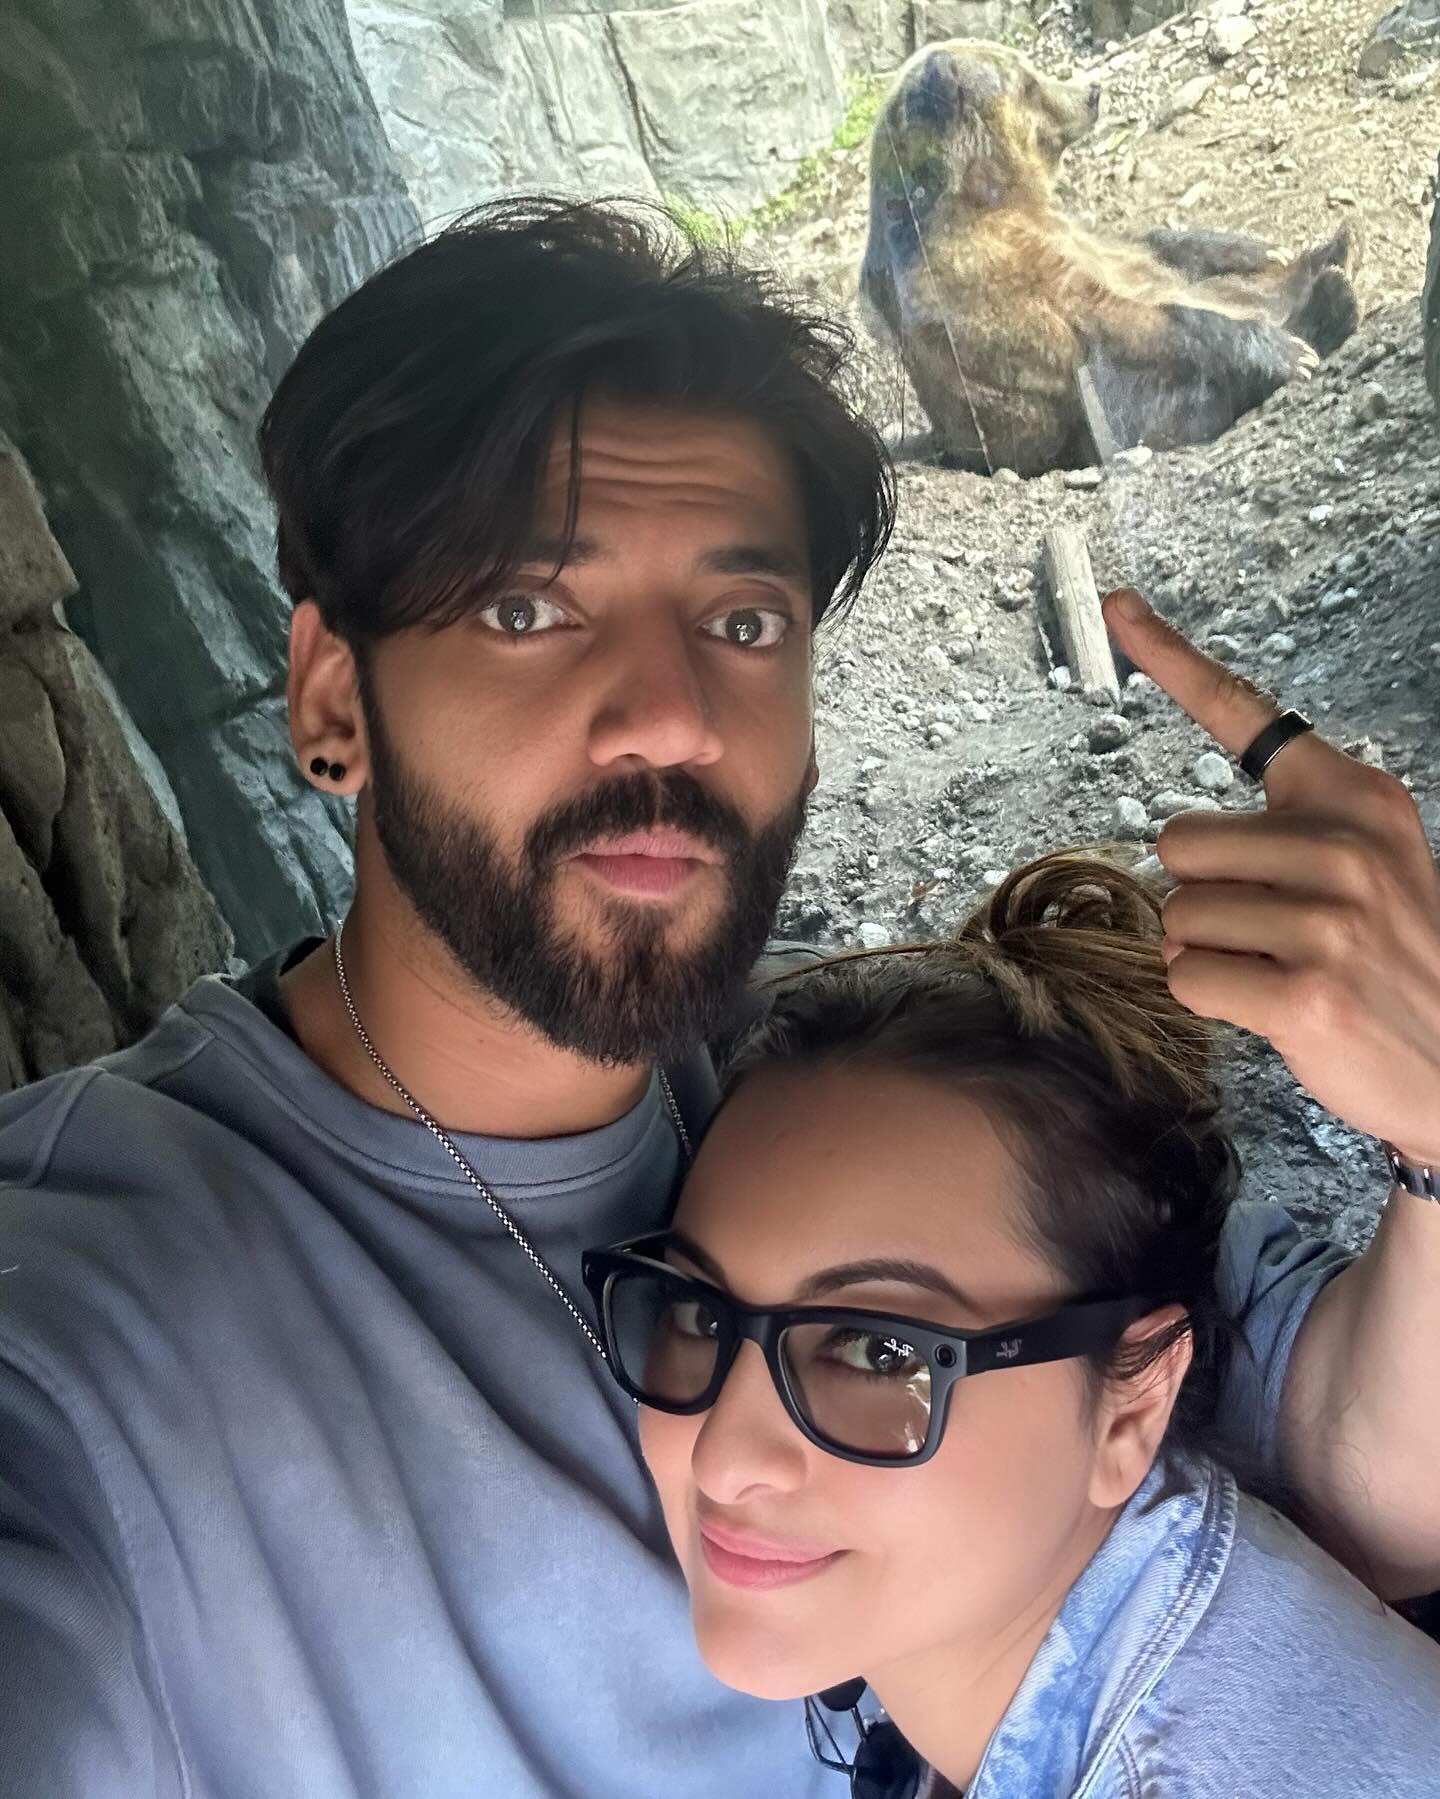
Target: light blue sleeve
x,y
1267,1277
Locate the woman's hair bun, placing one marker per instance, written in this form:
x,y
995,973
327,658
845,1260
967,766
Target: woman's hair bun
x,y
1072,943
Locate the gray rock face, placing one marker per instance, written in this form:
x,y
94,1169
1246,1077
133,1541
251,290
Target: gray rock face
x,y
477,101
185,189
712,102
103,917
1121,19
1409,29
730,96
970,18
1432,300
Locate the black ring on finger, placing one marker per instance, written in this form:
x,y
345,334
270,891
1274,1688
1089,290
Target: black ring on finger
x,y
1265,747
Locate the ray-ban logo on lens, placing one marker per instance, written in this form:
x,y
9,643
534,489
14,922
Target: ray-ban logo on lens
x,y
1008,1350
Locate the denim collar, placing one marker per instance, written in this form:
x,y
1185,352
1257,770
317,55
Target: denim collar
x,y
1124,1621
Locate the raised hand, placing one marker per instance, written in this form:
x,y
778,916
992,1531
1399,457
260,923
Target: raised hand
x,y
1315,923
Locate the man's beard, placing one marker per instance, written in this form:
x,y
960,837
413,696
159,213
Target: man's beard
x,y
632,1000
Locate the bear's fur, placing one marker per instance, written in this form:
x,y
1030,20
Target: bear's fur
x,y
1034,344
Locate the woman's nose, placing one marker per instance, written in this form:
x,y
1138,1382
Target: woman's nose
x,y
748,1443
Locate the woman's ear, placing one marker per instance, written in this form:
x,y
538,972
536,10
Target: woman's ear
x,y
1133,1413
327,726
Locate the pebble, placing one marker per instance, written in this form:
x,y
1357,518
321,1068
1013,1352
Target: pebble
x,y
936,657
960,649
1223,648
872,936
1060,678
1212,773
1278,643
1136,457
980,714
977,855
1083,480
1334,601
1129,820
1229,36
1151,870
1006,477
940,734
1098,696
1171,802
1109,732
1371,403
1185,99
1320,515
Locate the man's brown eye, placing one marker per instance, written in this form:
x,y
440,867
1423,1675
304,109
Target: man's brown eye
x,y
749,627
522,615
516,616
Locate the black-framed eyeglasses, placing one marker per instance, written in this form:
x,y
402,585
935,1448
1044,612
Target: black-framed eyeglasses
x,y
866,1386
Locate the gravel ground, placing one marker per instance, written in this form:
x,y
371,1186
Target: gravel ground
x,y
1304,547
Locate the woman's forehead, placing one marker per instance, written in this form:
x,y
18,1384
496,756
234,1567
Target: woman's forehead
x,y
807,1166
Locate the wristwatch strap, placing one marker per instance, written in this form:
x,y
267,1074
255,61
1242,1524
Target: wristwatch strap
x,y
1415,1177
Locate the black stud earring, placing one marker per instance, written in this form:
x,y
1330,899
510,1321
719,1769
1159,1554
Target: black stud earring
x,y
319,766
337,771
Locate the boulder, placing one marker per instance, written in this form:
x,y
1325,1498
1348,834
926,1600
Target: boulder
x,y
1412,28
479,102
1431,301
1119,20
938,19
872,35
104,919
186,188
730,96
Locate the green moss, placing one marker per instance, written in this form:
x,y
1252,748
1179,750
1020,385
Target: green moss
x,y
867,94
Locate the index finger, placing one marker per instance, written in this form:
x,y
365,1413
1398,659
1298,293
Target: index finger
x,y
1223,703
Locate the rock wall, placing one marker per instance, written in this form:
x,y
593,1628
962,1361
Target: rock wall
x,y
186,185
713,103
103,917
1117,20
1431,301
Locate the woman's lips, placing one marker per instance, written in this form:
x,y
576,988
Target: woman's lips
x,y
646,864
742,1560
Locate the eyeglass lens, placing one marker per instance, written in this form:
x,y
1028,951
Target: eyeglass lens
x,y
861,1390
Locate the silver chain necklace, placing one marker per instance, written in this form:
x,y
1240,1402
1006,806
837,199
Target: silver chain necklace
x,y
447,1144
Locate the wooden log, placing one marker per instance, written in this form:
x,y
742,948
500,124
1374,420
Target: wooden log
x,y
1077,606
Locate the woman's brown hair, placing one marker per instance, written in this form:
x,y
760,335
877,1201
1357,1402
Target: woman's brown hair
x,y
1050,1004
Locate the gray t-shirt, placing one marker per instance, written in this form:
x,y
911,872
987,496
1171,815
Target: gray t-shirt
x,y
309,1487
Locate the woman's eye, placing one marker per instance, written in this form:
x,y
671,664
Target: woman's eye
x,y
869,1353
689,1318
750,627
522,615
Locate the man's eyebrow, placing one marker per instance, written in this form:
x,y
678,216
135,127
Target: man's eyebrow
x,y
844,1274
756,559
779,560
561,552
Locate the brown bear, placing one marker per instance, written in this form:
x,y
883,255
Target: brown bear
x,y
1033,343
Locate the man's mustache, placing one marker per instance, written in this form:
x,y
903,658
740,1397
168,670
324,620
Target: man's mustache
x,y
636,803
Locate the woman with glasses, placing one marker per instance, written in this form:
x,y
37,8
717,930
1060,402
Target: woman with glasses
x,y
928,1367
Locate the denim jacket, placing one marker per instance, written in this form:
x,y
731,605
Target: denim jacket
x,y
1211,1651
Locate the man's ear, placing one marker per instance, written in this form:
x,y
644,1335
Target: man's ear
x,y
322,690
1133,1413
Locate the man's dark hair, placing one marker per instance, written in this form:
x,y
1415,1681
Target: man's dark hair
x,y
405,445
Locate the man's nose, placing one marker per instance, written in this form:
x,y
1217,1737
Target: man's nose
x,y
748,1444
653,707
